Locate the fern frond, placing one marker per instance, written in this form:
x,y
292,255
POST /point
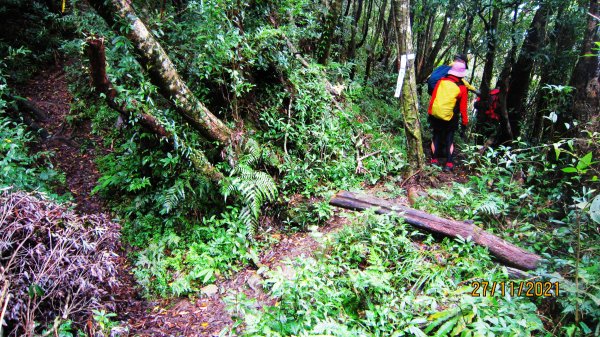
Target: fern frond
x,y
489,207
253,189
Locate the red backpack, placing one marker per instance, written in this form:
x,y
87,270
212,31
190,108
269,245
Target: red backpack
x,y
489,109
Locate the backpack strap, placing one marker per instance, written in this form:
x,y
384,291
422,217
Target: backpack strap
x,y
455,80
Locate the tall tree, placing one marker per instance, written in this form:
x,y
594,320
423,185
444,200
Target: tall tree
x,y
388,35
408,96
354,30
366,23
506,131
491,37
560,56
520,76
585,78
331,20
427,50
375,40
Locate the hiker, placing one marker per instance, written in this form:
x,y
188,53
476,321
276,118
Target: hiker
x,y
442,71
448,101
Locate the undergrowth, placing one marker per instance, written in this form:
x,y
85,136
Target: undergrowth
x,y
185,230
378,277
20,167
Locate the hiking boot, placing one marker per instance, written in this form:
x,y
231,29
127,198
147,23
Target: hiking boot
x,y
449,167
434,161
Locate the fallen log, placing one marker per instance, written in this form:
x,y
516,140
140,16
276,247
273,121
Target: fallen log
x,y
505,252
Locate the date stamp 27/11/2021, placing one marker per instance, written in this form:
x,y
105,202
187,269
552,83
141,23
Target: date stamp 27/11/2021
x,y
515,288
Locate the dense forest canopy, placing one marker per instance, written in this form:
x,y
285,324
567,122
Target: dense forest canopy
x,y
187,152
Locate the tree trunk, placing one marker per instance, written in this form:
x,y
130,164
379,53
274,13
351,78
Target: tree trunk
x,y
424,43
467,40
520,76
352,44
488,69
504,251
491,28
365,29
97,56
324,48
160,68
373,44
408,97
585,78
562,38
429,64
388,33
506,132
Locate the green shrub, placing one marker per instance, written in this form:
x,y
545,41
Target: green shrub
x,y
371,279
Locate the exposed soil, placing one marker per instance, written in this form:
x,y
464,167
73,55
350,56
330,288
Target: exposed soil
x,y
74,146
207,314
76,149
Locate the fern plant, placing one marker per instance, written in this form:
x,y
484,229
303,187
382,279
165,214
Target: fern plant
x,y
253,188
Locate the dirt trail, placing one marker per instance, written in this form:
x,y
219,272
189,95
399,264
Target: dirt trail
x,y
74,146
76,149
206,314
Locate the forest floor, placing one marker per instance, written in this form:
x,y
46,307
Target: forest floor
x,y
75,150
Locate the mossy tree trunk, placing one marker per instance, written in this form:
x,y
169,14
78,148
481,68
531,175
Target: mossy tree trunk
x,y
100,81
119,13
408,96
324,47
586,75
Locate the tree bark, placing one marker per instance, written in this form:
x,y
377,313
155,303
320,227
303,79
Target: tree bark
x,y
504,251
434,50
506,133
97,55
520,76
491,27
365,29
160,68
408,97
324,48
424,42
586,76
388,32
375,39
467,40
354,30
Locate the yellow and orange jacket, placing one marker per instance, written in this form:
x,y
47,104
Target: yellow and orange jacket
x,y
448,94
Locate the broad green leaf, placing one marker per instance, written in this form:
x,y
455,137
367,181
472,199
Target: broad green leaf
x,y
584,162
446,327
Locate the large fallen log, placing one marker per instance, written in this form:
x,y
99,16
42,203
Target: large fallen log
x,y
505,252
